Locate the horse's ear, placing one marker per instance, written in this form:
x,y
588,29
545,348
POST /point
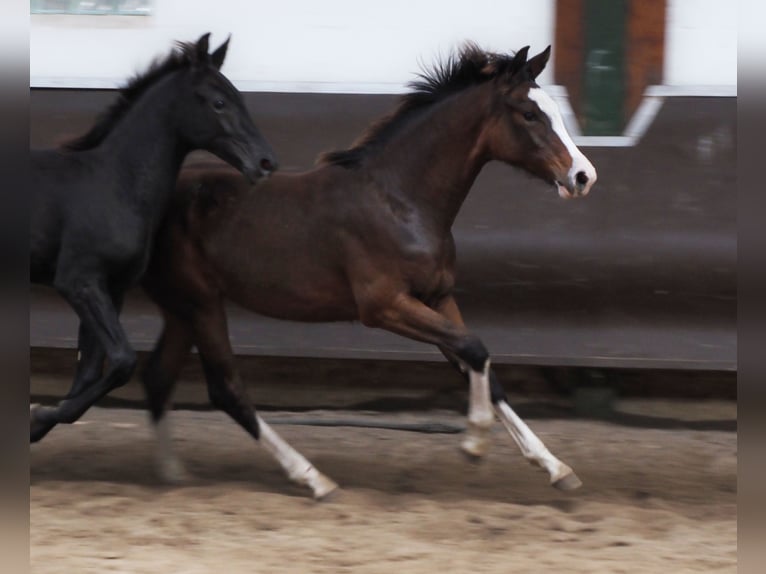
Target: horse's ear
x,y
217,57
537,63
519,59
201,48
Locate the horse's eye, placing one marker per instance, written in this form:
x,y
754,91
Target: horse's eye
x,y
218,104
530,116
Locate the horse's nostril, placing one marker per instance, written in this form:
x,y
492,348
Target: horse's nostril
x,y
267,165
581,178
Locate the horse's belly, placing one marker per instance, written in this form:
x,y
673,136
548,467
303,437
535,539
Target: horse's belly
x,y
294,297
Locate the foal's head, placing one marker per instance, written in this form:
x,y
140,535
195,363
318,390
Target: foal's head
x,y
526,129
212,114
206,110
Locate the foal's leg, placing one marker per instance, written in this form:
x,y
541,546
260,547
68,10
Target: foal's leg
x,y
97,312
228,393
90,355
408,316
531,446
159,378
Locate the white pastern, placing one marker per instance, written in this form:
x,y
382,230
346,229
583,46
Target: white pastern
x,y
295,465
579,162
480,415
169,466
530,445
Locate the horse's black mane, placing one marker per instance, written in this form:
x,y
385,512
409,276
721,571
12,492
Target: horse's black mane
x,y
183,55
469,67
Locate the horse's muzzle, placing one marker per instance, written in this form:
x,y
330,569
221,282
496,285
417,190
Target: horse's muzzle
x,y
578,185
265,167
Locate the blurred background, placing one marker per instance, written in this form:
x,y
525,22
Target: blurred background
x,y
641,275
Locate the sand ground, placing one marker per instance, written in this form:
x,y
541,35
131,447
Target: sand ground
x,y
654,499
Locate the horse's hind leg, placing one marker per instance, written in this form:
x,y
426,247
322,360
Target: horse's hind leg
x,y
408,316
159,378
97,312
228,393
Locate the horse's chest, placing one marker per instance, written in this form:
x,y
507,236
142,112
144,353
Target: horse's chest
x,y
123,244
427,263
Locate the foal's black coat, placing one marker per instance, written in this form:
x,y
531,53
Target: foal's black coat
x,y
97,202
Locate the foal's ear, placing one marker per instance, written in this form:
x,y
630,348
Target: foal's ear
x,y
217,57
519,59
201,48
537,63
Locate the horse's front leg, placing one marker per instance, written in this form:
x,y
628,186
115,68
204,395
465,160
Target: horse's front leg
x,y
408,316
90,354
530,445
98,314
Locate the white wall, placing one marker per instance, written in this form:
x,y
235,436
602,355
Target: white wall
x,y
701,43
289,45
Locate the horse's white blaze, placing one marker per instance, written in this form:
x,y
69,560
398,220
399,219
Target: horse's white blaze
x,y
480,415
297,468
579,161
531,447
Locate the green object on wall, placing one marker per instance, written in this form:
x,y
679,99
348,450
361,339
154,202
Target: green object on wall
x,y
604,69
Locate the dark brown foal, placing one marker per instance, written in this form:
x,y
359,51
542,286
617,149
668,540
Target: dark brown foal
x,y
364,236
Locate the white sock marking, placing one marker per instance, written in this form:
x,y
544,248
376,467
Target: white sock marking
x,y
297,468
531,446
579,162
480,415
169,466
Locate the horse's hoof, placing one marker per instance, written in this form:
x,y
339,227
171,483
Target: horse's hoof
x,y
569,481
470,456
474,448
173,473
37,427
325,489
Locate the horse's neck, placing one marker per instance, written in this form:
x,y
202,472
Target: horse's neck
x,y
438,156
146,149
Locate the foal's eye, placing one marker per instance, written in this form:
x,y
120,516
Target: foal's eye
x,y
530,116
218,104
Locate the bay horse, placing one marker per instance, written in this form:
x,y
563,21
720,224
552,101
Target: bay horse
x,y
365,235
97,202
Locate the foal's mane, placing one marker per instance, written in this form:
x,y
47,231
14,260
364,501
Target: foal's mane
x,y
469,67
183,55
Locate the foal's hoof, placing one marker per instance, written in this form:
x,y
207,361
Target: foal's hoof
x,y
38,427
470,456
173,473
569,481
325,489
474,448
